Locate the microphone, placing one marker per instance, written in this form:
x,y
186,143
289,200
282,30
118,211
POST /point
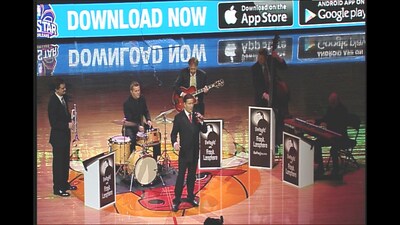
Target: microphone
x,y
199,117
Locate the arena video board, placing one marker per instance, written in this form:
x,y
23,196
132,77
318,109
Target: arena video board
x,y
193,17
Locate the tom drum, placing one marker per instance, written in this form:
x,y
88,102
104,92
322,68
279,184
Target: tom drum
x,y
150,138
121,145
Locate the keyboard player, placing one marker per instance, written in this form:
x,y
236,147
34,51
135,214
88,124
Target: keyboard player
x,y
335,119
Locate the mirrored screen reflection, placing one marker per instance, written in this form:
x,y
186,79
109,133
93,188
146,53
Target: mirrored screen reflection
x,y
332,46
167,54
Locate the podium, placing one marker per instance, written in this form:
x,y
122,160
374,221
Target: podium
x,y
211,145
99,177
261,137
298,161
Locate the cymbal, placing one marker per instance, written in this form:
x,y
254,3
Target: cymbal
x,y
162,114
123,123
167,120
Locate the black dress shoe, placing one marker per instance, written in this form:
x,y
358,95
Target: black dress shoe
x,y
72,188
194,202
175,207
319,176
61,193
337,176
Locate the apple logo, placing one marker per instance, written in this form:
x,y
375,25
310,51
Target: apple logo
x,y
230,51
229,15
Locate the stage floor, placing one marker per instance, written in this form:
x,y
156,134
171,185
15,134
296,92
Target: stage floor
x,y
265,198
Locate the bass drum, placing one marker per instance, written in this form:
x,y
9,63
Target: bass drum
x,y
143,167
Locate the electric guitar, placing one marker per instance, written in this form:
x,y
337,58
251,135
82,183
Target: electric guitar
x,y
177,100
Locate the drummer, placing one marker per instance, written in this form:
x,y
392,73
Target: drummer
x,y
135,108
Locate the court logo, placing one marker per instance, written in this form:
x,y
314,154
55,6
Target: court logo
x,y
46,22
230,15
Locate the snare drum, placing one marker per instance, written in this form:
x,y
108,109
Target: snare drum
x,y
141,138
143,167
121,145
150,138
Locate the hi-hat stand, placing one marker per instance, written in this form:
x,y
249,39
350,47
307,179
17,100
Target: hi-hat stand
x,y
166,161
166,164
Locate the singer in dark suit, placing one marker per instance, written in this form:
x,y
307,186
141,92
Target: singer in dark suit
x,y
188,125
192,76
60,138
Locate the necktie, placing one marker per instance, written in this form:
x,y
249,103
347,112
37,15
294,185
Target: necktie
x,y
63,102
193,80
190,117
65,105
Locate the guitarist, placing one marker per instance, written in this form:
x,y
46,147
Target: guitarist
x,y
192,76
263,76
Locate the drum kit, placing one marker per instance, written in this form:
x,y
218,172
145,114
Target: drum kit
x,y
139,164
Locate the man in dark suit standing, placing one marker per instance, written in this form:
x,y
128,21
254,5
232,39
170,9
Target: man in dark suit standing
x,y
192,76
60,138
188,125
265,81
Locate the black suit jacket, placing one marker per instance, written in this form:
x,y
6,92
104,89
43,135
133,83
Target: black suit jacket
x,y
183,80
188,135
60,134
259,83
336,119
